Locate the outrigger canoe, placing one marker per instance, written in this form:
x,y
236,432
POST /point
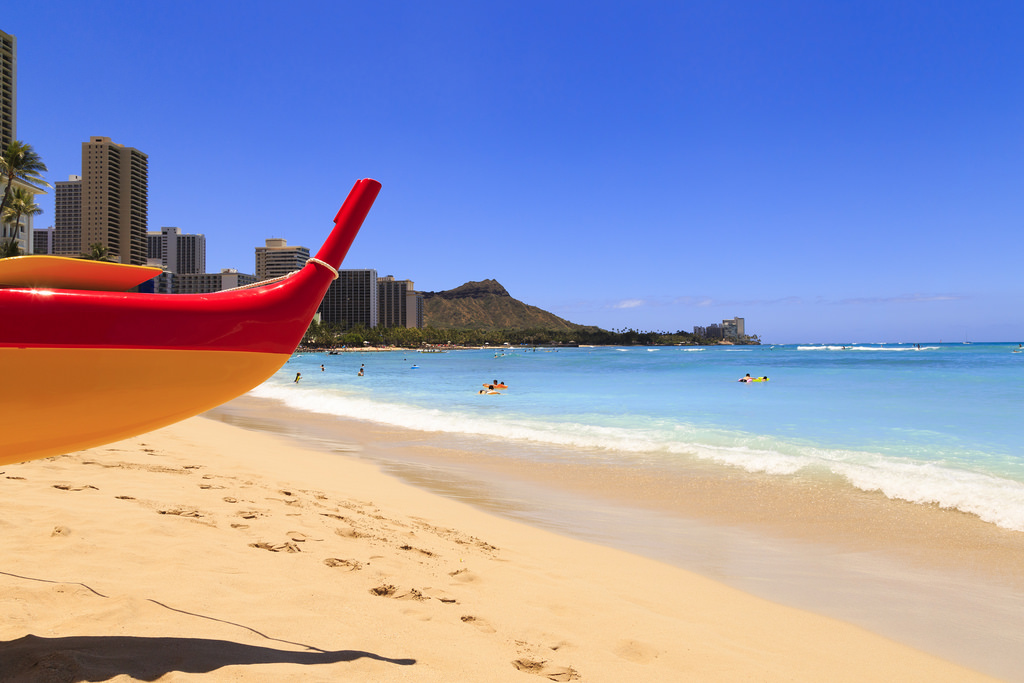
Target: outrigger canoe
x,y
83,368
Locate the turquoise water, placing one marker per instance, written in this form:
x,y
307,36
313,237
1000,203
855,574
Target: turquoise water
x,y
939,424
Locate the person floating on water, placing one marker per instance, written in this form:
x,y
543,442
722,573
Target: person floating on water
x,y
298,376
321,367
360,371
746,378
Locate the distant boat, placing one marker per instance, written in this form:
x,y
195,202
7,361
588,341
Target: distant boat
x,y
84,368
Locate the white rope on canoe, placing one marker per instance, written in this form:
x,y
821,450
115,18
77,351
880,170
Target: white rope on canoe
x,y
262,283
325,264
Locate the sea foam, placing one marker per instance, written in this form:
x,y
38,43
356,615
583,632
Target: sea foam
x,y
993,499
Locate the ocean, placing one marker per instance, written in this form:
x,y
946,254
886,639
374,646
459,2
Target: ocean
x,y
933,424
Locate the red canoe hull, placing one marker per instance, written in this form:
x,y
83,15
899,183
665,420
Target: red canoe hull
x,y
84,368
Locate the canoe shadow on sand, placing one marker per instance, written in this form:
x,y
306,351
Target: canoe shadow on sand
x,y
99,658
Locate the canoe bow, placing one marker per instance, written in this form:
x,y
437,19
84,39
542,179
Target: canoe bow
x,y
83,368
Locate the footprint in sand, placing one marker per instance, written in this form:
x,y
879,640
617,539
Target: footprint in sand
x,y
388,590
349,565
464,576
478,623
277,547
181,512
554,673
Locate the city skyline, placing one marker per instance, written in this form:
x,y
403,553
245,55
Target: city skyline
x,y
829,172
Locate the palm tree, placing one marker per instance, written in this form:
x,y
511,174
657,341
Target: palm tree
x,y
21,203
9,247
20,161
97,252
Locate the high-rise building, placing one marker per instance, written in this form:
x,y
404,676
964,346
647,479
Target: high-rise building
x,y
67,219
177,252
351,300
277,259
8,89
115,199
391,308
42,240
206,283
733,328
21,233
414,309
398,304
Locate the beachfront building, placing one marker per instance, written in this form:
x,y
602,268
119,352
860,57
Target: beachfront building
x,y
8,89
277,259
177,252
42,240
397,303
67,216
414,309
733,328
164,283
352,300
712,331
23,231
115,200
207,283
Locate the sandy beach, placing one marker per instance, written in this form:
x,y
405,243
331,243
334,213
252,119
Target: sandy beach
x,y
207,550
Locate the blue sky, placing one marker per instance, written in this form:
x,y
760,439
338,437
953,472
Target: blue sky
x,y
830,171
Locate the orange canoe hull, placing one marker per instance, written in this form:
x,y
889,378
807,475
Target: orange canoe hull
x,y
69,399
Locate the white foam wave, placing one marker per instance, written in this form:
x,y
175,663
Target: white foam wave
x,y
995,500
832,347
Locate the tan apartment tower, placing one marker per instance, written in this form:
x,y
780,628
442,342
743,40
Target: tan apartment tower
x,y
398,304
115,200
8,89
277,259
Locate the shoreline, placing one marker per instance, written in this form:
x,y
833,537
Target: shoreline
x,y
831,549
214,550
